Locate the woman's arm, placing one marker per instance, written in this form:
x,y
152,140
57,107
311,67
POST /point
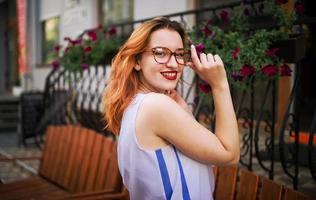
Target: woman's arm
x,y
166,118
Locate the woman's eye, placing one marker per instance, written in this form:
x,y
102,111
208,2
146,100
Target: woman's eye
x,y
160,53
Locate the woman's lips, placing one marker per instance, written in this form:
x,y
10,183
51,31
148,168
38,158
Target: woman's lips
x,y
170,75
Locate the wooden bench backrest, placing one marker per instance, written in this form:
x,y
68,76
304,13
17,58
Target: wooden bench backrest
x,y
248,186
245,185
270,190
80,160
225,182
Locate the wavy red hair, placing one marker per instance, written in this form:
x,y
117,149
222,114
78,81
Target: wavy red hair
x,y
124,80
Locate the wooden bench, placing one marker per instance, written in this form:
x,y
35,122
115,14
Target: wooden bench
x,y
76,163
233,183
80,164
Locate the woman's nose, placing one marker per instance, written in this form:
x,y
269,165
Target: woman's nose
x,y
172,61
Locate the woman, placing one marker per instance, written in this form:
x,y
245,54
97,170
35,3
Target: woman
x,y
163,152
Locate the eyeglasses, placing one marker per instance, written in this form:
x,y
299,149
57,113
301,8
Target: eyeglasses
x,y
162,55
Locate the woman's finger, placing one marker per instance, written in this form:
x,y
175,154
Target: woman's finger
x,y
195,58
218,60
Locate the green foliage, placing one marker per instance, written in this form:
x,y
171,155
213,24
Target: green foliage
x,y
240,46
93,48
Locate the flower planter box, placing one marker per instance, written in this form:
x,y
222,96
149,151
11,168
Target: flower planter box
x,y
292,50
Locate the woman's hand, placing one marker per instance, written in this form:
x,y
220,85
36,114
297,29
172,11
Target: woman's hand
x,y
210,68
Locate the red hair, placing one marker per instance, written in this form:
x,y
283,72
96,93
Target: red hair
x,y
124,79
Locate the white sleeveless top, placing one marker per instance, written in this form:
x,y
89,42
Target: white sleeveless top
x,y
163,173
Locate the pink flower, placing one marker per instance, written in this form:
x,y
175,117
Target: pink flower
x,y
224,15
84,66
269,70
235,53
285,70
112,31
204,87
200,48
272,52
87,49
75,42
247,70
207,31
237,76
299,8
280,2
55,64
57,48
92,35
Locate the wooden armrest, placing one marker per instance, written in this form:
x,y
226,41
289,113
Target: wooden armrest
x,y
104,194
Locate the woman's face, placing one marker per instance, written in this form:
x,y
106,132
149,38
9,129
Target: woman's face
x,y
155,76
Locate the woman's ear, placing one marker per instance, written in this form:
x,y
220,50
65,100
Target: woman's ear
x,y
137,67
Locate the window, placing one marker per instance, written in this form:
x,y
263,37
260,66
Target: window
x,y
50,37
114,11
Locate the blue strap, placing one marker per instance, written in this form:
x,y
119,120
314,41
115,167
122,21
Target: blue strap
x,y
164,174
185,191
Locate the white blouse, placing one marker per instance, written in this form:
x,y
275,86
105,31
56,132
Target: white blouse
x,y
164,173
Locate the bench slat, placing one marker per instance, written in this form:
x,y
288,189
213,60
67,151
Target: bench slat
x,y
270,190
248,186
72,152
85,162
59,153
291,194
225,183
104,163
74,178
65,154
113,178
95,159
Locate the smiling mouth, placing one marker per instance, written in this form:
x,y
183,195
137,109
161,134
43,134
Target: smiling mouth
x,y
170,75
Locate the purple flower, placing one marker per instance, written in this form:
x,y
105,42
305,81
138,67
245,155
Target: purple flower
x,y
224,15
75,42
200,48
272,52
92,35
235,53
55,64
247,70
269,70
57,48
87,49
299,8
84,66
112,31
237,76
205,87
207,31
285,70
